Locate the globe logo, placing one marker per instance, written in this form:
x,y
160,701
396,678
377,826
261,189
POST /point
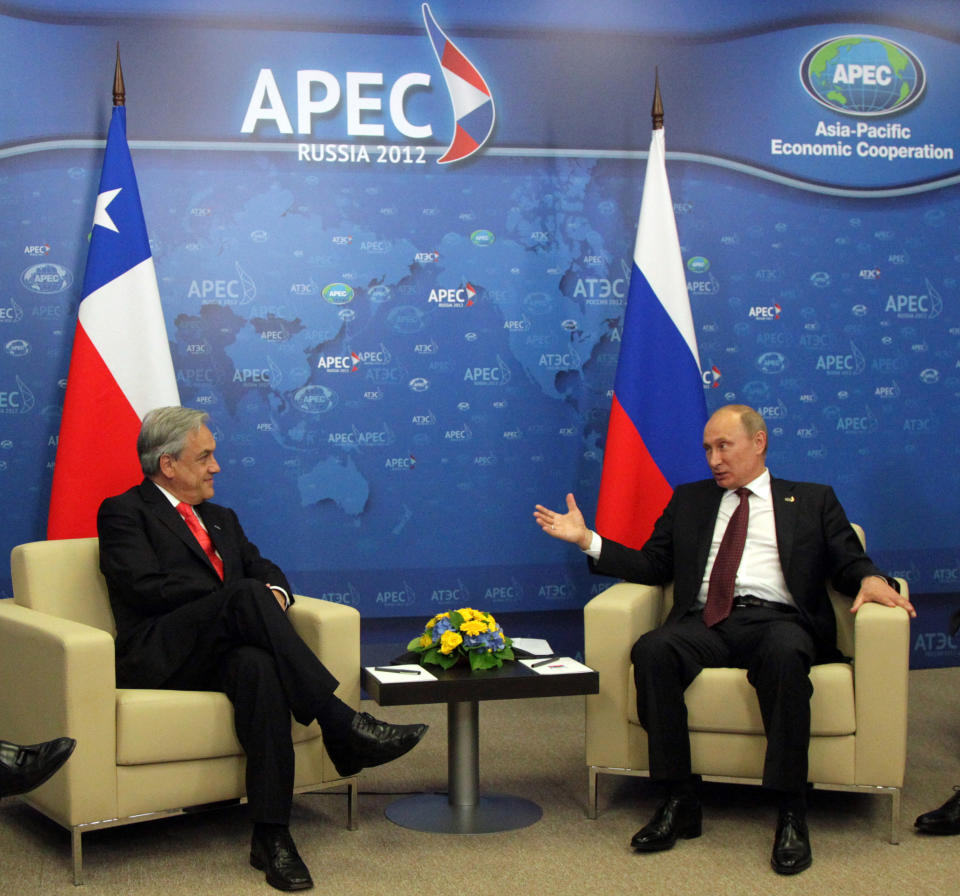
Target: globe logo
x,y
862,75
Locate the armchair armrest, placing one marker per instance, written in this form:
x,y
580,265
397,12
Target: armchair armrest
x,y
59,680
613,621
332,632
880,668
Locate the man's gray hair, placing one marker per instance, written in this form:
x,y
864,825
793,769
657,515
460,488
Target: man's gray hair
x,y
165,431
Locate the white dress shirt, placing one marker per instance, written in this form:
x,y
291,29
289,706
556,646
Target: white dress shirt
x,y
760,573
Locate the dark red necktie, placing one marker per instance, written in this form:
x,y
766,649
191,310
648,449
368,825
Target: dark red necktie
x,y
201,534
725,566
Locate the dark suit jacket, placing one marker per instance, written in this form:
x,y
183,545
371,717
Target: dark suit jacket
x,y
158,576
815,540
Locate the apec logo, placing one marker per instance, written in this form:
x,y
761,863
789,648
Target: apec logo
x,y
927,305
338,293
470,98
862,75
18,400
46,278
765,312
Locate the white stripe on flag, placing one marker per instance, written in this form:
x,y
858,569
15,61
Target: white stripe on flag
x,y
124,321
657,249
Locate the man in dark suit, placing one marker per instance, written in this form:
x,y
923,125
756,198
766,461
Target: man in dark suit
x,y
198,608
794,536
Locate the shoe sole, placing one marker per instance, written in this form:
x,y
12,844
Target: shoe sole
x,y
791,869
261,865
689,834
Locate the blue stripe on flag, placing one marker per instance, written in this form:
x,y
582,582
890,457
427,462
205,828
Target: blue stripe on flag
x,y
660,387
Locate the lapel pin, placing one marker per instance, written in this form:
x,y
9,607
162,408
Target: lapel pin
x,y
789,499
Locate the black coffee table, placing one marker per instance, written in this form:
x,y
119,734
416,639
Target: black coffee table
x,y
463,810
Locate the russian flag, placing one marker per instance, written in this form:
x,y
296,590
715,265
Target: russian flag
x,y
655,434
120,366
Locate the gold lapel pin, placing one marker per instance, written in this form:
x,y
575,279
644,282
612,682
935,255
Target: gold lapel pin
x,y
789,499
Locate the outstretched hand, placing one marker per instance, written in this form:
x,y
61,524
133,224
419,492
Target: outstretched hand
x,y
568,526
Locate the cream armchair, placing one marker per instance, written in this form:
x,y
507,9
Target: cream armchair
x,y
858,710
141,754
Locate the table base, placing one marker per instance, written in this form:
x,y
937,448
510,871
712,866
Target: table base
x,y
435,814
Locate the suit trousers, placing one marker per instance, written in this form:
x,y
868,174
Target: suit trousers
x,y
775,648
247,648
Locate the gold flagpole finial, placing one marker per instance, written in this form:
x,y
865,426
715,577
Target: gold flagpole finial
x,y
119,91
656,113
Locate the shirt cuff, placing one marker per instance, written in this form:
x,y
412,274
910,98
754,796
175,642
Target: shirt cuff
x,y
283,591
596,545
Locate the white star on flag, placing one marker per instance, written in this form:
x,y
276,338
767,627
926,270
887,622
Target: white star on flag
x,y
100,215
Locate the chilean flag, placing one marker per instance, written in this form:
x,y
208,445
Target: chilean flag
x,y
120,367
655,433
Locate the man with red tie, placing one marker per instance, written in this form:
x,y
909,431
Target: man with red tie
x,y
748,555
197,607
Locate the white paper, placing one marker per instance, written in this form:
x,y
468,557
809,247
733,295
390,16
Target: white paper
x,y
561,665
534,646
391,674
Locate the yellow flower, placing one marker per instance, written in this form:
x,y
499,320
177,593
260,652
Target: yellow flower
x,y
449,642
425,640
473,628
468,614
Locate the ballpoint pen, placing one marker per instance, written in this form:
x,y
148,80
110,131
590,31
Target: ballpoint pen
x,y
396,670
539,663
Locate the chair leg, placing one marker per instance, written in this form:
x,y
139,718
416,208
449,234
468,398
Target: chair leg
x,y
592,796
76,850
353,791
895,815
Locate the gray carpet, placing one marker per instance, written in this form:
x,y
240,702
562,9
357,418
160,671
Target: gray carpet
x,y
533,749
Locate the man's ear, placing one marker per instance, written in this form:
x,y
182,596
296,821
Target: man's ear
x,y
166,466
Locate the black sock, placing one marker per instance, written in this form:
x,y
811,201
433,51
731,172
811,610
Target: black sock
x,y
262,828
335,718
684,787
793,802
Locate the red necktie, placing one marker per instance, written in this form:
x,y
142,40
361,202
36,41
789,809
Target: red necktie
x,y
725,566
201,534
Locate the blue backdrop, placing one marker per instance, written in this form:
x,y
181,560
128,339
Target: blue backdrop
x,y
400,357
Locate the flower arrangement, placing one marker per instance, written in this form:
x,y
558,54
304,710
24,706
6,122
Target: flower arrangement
x,y
463,634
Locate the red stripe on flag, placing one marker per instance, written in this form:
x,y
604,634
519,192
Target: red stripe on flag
x,y
633,491
96,452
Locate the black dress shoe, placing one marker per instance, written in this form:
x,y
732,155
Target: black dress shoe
x,y
791,846
370,742
23,768
275,853
945,820
678,816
